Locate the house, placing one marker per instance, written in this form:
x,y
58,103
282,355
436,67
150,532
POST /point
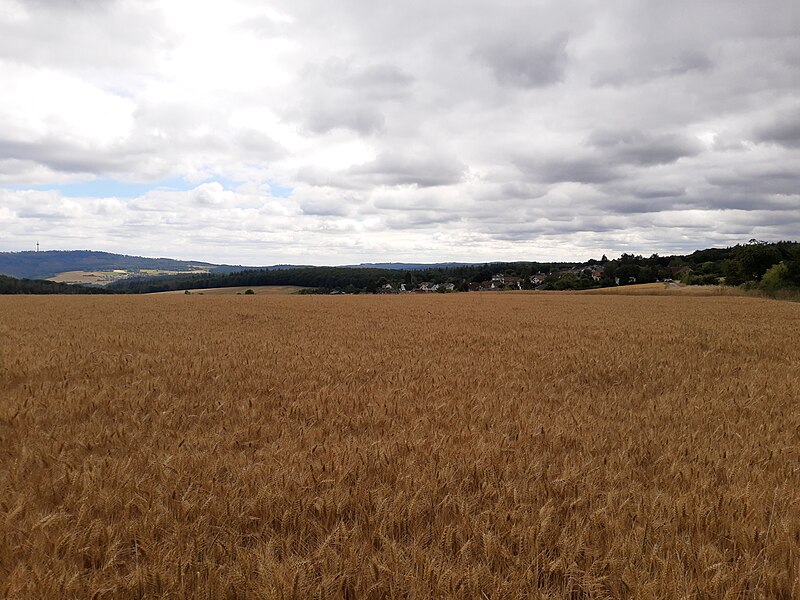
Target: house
x,y
538,279
500,280
447,287
514,282
679,271
597,274
387,289
427,286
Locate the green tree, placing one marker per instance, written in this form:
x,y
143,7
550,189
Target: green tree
x,y
568,281
776,278
626,271
755,258
793,266
732,273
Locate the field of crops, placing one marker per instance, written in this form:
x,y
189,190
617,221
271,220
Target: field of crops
x,y
462,445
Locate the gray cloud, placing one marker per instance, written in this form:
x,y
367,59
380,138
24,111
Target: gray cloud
x,y
656,193
422,170
527,64
59,155
689,62
363,120
642,148
390,169
784,130
339,94
68,33
759,183
380,81
257,144
587,169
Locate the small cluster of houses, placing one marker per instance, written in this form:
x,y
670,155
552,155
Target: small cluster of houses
x,y
422,288
499,281
502,281
595,272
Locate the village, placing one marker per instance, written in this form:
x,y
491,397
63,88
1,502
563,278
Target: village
x,y
579,277
499,281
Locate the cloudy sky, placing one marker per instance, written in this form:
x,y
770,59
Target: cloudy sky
x,y
261,132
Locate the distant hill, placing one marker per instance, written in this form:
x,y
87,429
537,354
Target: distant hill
x,y
396,266
101,268
49,264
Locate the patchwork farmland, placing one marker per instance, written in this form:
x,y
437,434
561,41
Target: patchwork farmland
x,y
449,446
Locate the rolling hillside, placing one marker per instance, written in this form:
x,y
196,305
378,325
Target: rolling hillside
x,y
51,264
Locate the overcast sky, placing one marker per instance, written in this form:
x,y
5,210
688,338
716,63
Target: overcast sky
x,y
302,131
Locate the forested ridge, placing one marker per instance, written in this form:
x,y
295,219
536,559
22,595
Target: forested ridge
x,y
44,264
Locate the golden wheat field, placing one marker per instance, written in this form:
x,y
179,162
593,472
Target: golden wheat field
x,y
442,446
666,289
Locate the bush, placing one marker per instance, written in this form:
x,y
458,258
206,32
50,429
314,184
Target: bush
x,y
776,278
249,292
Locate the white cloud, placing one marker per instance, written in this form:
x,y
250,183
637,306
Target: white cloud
x,y
413,131
39,103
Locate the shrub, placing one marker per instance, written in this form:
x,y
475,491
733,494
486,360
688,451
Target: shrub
x,y
776,278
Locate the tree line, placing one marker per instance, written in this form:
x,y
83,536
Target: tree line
x,y
12,285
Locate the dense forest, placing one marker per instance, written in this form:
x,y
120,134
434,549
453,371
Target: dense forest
x,y
12,285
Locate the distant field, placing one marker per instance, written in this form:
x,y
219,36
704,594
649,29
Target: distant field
x,y
232,291
678,289
666,289
92,277
106,277
422,446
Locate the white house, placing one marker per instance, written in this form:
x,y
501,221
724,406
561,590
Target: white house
x,y
538,279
